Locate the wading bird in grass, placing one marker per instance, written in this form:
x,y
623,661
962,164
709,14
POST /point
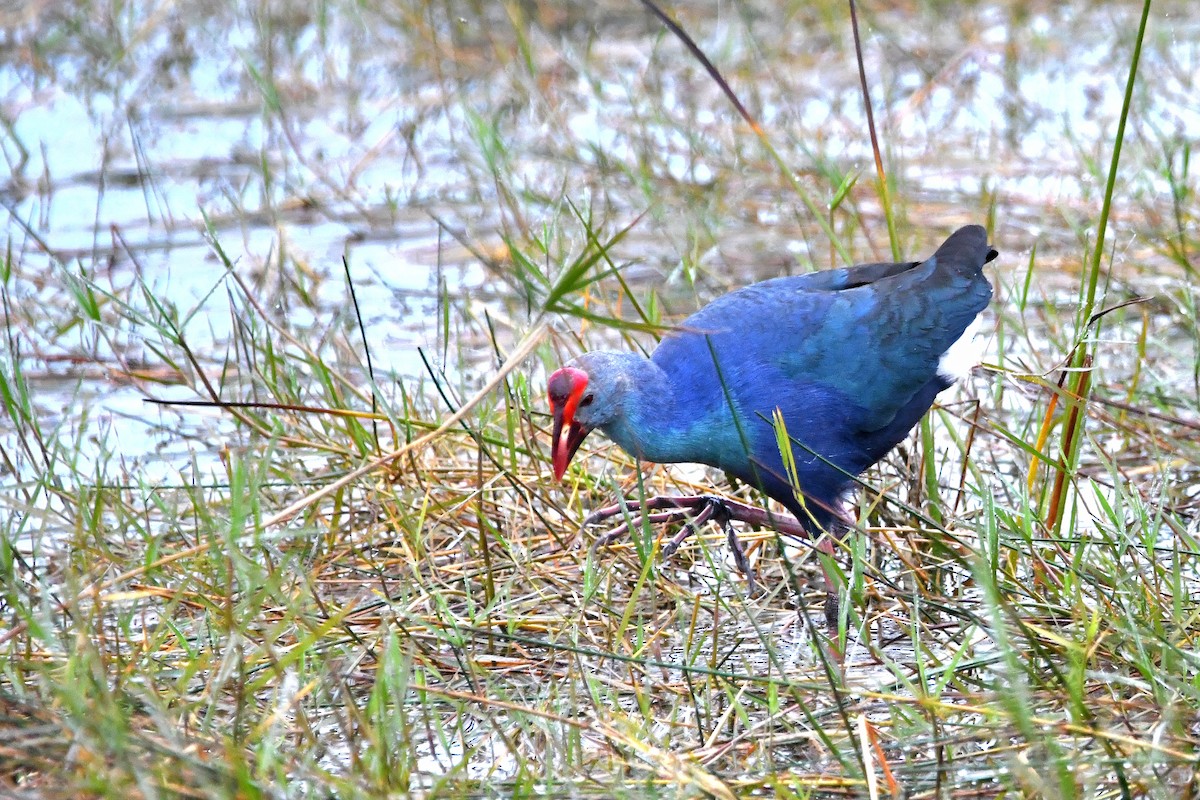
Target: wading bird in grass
x,y
794,385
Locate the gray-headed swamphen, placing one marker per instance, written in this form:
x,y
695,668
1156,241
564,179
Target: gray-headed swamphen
x,y
850,359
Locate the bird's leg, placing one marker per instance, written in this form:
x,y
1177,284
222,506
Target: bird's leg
x,y
843,515
702,508
832,602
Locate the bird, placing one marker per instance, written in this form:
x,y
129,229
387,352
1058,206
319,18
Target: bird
x,y
848,360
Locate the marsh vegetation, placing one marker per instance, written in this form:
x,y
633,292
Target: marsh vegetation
x,y
281,286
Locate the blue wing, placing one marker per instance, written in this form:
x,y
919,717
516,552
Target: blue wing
x,y
850,356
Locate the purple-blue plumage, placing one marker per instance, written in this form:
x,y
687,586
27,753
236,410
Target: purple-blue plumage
x,y
849,357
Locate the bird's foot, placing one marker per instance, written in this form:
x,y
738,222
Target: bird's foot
x,y
693,512
718,510
663,509
655,511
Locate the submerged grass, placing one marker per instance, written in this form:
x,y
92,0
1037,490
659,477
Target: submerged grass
x,y
319,580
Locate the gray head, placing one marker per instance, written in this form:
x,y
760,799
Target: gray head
x,y
588,393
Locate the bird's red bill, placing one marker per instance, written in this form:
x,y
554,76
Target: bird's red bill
x,y
565,387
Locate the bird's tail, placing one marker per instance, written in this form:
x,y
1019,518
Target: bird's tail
x,y
965,251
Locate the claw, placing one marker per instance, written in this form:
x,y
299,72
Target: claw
x,y
659,510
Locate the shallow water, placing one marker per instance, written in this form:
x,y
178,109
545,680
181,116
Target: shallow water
x,y
294,141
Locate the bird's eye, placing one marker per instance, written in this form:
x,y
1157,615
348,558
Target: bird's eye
x,y
586,401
